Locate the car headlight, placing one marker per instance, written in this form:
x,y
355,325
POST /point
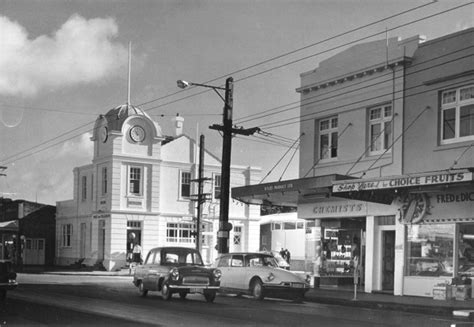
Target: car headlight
x,y
174,273
270,277
217,274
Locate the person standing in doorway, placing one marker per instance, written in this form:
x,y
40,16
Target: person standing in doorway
x,y
137,253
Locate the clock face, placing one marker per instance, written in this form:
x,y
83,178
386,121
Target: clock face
x,y
137,133
104,134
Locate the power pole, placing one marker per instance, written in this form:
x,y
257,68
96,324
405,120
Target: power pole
x,y
201,197
227,130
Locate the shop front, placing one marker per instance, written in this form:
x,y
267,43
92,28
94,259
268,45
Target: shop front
x,y
434,228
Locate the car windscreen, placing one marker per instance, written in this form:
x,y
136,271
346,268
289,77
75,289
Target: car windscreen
x,y
181,257
253,260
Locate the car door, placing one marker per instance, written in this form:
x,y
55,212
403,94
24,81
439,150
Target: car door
x,y
223,263
151,271
236,272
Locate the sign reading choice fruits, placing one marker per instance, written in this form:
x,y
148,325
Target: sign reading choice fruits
x,y
403,181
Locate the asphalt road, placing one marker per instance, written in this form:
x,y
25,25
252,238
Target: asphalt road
x,y
44,300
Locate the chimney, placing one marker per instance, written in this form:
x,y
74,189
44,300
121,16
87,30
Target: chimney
x,y
178,125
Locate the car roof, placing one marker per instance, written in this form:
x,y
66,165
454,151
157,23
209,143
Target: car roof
x,y
245,253
173,248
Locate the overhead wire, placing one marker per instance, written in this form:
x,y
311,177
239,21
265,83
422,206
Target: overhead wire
x,y
426,17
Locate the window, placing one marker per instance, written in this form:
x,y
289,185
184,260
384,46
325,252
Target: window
x,y
237,235
104,180
185,184
328,138
217,187
430,250
180,232
380,129
84,188
92,186
457,115
135,181
237,261
66,234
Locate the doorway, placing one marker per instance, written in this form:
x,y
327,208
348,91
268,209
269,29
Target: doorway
x,y
388,260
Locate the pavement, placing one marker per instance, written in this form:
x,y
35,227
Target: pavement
x,y
330,295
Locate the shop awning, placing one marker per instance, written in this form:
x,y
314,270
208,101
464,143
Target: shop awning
x,y
384,189
11,225
287,193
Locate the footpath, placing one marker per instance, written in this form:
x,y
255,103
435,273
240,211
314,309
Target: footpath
x,y
458,309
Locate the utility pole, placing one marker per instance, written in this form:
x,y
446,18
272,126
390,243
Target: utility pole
x,y
227,130
201,197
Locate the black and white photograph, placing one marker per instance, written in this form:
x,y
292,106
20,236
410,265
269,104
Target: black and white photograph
x,y
237,163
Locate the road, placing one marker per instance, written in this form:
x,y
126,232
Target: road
x,y
47,299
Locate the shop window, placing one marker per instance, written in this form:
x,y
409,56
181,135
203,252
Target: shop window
x,y
380,129
289,225
180,232
457,115
466,250
276,226
430,250
328,134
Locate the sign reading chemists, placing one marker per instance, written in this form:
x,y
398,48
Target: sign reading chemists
x,y
402,181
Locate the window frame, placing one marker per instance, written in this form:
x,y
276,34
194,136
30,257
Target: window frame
x,y
83,188
66,235
384,120
217,187
104,181
456,104
131,181
182,232
182,184
332,133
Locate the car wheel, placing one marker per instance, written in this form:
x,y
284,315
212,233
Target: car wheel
x,y
210,296
257,289
165,292
182,295
142,290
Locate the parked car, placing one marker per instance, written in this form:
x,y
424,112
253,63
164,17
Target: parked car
x,y
7,278
179,270
258,274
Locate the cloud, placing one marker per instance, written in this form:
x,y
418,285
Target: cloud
x,y
81,51
52,178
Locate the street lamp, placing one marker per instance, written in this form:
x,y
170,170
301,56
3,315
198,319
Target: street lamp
x,y
227,130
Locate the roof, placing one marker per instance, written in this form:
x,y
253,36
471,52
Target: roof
x,y
116,117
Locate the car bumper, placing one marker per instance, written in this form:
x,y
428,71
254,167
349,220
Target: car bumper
x,y
193,287
8,286
285,290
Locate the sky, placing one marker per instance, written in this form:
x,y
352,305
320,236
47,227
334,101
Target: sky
x,y
63,63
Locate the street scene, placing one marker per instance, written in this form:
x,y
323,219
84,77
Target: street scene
x,y
241,162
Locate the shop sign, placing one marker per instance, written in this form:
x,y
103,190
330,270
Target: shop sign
x,y
101,215
403,181
313,233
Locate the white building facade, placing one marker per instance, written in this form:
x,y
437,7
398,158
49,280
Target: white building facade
x,y
140,188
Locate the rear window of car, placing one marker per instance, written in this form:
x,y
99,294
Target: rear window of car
x,y
180,257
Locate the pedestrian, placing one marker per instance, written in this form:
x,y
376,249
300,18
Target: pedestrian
x,y
287,256
137,253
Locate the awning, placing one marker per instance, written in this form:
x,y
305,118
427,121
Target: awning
x,y
11,225
287,193
384,189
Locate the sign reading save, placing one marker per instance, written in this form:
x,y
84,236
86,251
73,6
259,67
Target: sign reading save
x,y
402,181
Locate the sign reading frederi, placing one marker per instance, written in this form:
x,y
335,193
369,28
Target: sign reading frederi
x,y
402,181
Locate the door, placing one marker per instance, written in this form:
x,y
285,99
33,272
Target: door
x,y
388,260
34,252
101,248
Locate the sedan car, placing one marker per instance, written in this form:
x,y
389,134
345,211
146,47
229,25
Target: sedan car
x,y
258,274
179,270
7,278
